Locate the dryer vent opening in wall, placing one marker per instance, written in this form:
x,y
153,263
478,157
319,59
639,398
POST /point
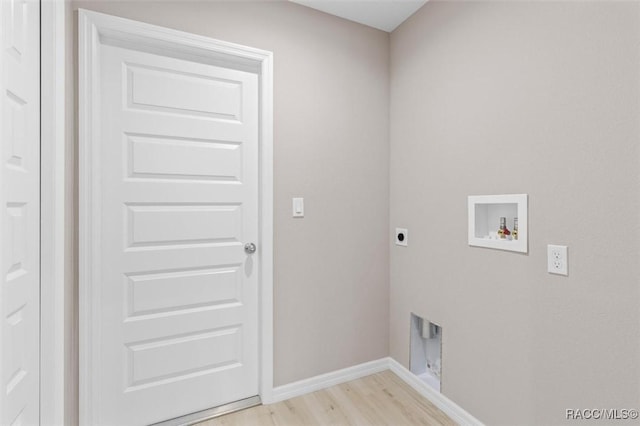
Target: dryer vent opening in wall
x,y
426,351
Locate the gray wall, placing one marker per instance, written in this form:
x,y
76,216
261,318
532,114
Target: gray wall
x,y
331,147
520,97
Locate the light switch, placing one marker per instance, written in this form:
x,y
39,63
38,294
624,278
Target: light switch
x,y
298,207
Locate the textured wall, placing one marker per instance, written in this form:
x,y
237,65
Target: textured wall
x,y
520,97
331,147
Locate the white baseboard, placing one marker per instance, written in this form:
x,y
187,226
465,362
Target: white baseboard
x,y
312,384
323,381
450,408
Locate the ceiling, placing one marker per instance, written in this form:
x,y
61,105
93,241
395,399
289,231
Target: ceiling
x,y
384,15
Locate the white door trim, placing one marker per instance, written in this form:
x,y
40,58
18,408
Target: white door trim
x,y
94,27
52,189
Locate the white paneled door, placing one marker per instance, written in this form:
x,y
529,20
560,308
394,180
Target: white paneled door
x,y
176,318
20,211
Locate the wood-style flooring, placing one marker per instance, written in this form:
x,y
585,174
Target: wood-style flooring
x,y
379,399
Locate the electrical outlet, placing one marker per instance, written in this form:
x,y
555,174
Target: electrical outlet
x,y
557,260
402,237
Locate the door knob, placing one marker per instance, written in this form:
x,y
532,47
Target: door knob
x,y
250,248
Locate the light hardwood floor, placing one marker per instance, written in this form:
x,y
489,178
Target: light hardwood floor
x,y
379,399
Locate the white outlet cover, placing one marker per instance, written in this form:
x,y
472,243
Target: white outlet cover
x,y
557,260
402,237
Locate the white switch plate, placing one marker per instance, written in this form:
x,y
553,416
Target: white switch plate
x,y
557,260
402,237
298,207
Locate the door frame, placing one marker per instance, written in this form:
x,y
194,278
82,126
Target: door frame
x,y
54,332
92,28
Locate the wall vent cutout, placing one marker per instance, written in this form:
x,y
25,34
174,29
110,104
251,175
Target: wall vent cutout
x,y
426,351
